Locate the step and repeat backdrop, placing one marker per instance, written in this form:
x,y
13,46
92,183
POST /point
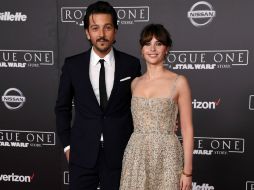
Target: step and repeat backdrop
x,y
212,46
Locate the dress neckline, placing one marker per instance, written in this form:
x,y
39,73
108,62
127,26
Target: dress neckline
x,y
155,98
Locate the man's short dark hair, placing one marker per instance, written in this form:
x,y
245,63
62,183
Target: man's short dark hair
x,y
100,7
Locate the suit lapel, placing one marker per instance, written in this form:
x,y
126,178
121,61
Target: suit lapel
x,y
116,78
90,90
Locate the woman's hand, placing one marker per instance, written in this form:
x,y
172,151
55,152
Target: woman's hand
x,y
185,182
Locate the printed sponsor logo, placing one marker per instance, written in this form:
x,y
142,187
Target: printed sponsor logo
x,y
25,139
126,15
204,186
16,178
206,105
218,146
207,59
201,14
13,17
67,178
249,185
13,99
25,58
251,102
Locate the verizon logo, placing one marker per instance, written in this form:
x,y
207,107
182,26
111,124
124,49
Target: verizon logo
x,y
8,16
16,178
206,104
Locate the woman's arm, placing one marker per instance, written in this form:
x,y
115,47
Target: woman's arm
x,y
185,111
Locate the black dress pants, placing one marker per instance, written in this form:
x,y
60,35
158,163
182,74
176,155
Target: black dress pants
x,y
91,178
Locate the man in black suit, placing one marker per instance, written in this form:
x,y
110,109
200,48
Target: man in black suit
x,y
98,81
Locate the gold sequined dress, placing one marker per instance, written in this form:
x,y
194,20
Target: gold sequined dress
x,y
153,158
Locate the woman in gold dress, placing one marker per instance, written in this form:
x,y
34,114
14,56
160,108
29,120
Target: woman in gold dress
x,y
154,158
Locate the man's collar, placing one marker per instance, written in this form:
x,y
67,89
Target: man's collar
x,y
109,58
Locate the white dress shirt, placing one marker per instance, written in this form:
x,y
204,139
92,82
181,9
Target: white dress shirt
x,y
94,74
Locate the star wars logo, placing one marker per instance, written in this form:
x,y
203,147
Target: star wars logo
x,y
218,146
25,139
126,15
25,58
207,59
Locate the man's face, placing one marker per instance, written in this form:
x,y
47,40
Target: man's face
x,y
101,33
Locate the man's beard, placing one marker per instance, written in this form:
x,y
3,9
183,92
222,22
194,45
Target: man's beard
x,y
105,47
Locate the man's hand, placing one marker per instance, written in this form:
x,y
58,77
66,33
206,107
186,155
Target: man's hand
x,y
67,154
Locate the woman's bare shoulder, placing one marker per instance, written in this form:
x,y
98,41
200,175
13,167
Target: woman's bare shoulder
x,y
171,75
182,83
134,82
182,79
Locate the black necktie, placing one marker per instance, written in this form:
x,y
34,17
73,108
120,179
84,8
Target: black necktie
x,y
102,86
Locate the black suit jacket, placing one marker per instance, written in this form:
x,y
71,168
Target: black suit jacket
x,y
90,121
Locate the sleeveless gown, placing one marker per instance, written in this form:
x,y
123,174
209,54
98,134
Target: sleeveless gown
x,y
153,158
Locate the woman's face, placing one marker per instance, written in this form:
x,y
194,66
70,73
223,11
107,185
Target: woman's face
x,y
154,52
